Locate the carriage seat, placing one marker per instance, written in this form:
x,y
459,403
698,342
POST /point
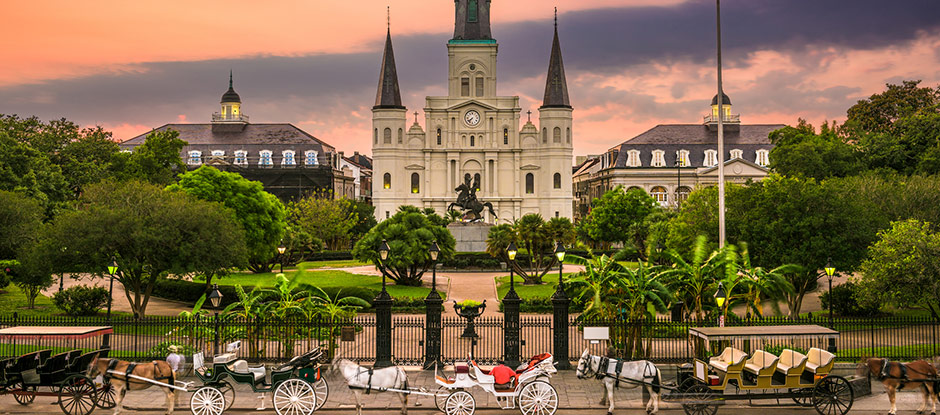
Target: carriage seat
x,y
533,362
819,361
791,362
481,375
761,363
224,358
241,366
729,358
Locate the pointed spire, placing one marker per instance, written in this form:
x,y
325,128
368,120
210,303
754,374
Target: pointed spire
x,y
231,95
556,86
230,79
389,93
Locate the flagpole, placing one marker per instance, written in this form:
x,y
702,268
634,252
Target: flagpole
x,y
721,141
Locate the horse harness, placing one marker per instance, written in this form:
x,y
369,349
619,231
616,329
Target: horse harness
x,y
605,362
130,370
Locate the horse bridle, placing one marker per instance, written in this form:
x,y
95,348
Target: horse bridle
x,y
587,372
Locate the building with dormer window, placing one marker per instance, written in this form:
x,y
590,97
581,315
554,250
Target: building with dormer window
x,y
670,160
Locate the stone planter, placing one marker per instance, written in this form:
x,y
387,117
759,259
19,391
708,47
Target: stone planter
x,y
469,313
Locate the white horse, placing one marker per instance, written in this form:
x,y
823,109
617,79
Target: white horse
x,y
631,374
361,379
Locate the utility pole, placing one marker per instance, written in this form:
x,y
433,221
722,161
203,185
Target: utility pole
x,y
721,141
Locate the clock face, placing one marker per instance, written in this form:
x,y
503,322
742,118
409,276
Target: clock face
x,y
472,118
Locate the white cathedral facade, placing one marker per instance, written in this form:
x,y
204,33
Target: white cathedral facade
x,y
473,133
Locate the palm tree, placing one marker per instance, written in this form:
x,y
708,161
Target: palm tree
x,y
691,281
759,283
320,304
595,282
248,308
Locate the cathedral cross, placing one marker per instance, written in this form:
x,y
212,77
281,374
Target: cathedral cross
x,y
416,117
530,115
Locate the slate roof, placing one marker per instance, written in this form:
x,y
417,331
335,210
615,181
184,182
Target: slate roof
x,y
361,160
389,92
696,138
556,86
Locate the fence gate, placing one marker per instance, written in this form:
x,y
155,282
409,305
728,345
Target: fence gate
x,y
408,340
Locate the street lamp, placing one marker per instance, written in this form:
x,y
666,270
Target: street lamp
x,y
215,298
560,305
112,269
432,311
511,251
281,249
720,298
434,251
383,256
560,254
383,316
830,270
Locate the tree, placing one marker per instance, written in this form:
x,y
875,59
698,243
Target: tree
x,y
328,219
20,217
697,279
757,283
30,172
156,161
365,213
879,113
537,238
32,275
409,233
799,151
903,267
618,217
260,214
151,233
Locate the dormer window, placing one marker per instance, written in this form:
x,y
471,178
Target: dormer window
x,y
288,158
241,158
218,153
762,158
659,159
310,158
265,159
682,158
737,154
195,158
711,158
633,158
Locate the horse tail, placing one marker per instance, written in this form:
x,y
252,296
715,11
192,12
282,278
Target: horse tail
x,y
490,206
657,380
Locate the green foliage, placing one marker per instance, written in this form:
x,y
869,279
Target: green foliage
x,y
365,213
618,216
28,171
156,161
163,349
846,301
81,300
903,268
469,303
20,217
6,271
150,233
409,233
695,281
260,214
323,217
31,274
800,152
752,284
536,238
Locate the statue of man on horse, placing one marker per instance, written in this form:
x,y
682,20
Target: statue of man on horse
x,y
467,200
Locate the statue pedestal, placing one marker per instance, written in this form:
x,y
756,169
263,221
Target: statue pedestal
x,y
471,237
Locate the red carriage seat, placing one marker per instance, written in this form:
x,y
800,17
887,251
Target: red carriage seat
x,y
534,361
502,374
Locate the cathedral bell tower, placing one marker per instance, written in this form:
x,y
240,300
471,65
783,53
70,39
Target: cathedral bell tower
x,y
388,134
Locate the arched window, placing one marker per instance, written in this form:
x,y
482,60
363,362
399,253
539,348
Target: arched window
x,y
633,158
195,158
472,140
544,135
659,159
387,139
556,135
659,193
472,11
568,135
376,136
476,181
505,136
529,183
557,181
387,181
438,136
401,136
737,154
711,158
415,183
683,194
632,188
762,157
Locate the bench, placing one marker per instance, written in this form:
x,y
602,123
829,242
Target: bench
x,y
762,366
819,361
53,370
791,365
730,360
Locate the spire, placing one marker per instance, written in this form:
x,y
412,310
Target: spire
x,y
230,95
556,86
389,93
472,20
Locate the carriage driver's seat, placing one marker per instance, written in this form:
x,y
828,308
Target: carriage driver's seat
x,y
730,360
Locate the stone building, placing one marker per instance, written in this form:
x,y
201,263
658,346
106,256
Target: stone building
x,y
473,133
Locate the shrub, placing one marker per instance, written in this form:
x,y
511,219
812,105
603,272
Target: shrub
x,y
162,349
81,300
845,301
6,272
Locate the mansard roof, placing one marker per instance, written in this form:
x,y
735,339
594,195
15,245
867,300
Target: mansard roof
x,y
274,137
696,138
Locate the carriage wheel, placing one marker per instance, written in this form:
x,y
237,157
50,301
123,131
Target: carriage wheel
x,y
538,398
25,398
207,400
833,395
294,397
228,392
440,397
459,402
803,397
322,390
697,397
105,396
77,395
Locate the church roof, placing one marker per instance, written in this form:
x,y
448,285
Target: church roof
x,y
253,137
696,138
231,95
389,93
472,22
556,86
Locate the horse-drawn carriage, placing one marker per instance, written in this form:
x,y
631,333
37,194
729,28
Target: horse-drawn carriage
x,y
62,374
527,387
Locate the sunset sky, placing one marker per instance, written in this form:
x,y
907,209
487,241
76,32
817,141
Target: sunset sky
x,y
631,64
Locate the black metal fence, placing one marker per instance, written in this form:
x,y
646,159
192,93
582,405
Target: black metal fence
x,y
660,340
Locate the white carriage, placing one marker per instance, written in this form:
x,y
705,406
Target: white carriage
x,y
527,387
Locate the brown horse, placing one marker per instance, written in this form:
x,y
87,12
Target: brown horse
x,y
157,370
896,375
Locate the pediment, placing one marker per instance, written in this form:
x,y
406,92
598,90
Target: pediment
x,y
736,167
472,102
414,167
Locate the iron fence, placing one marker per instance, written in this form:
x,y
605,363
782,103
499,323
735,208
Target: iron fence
x,y
659,340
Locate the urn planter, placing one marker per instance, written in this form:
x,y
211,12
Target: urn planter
x,y
469,312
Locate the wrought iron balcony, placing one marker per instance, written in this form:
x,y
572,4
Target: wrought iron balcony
x,y
218,117
732,118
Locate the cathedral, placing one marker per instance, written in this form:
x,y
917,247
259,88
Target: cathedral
x,y
473,135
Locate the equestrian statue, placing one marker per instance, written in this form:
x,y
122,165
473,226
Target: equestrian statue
x,y
467,200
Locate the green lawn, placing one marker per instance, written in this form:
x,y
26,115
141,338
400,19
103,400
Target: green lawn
x,y
543,290
324,279
923,351
13,300
331,264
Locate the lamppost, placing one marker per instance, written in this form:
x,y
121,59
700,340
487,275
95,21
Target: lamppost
x,y
215,298
511,302
830,270
678,181
112,269
560,304
281,249
432,310
720,298
383,315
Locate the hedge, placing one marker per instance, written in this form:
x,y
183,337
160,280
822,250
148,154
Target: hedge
x,y
483,260
329,256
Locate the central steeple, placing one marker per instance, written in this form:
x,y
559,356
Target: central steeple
x,y
473,20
